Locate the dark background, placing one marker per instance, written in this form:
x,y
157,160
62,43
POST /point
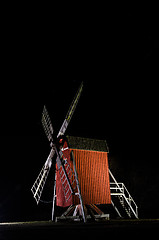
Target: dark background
x,y
44,58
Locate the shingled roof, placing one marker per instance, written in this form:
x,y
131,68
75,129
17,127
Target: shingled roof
x,y
87,144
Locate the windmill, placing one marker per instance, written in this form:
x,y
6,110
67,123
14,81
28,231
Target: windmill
x,y
68,176
82,184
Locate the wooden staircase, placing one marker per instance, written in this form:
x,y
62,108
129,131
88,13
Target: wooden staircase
x,y
122,201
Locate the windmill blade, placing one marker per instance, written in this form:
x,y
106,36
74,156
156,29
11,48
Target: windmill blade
x,y
74,103
70,111
60,160
38,185
67,175
68,180
47,125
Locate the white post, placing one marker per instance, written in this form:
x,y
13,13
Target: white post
x,y
54,197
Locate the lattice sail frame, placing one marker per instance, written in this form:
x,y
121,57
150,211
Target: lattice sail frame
x,y
39,183
46,123
68,191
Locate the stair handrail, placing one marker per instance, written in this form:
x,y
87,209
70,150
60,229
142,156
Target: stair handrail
x,y
129,200
114,179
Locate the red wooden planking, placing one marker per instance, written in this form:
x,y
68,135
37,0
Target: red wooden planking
x,y
93,175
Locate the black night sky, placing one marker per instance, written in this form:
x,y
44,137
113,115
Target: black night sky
x,y
44,58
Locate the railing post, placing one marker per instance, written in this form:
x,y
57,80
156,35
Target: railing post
x,y
123,188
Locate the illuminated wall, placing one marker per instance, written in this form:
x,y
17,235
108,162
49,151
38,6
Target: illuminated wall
x,y
92,170
93,175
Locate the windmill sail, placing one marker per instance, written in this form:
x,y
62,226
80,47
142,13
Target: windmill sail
x,y
38,185
70,111
64,168
67,177
68,181
47,125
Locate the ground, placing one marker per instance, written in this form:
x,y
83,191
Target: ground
x,y
47,229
